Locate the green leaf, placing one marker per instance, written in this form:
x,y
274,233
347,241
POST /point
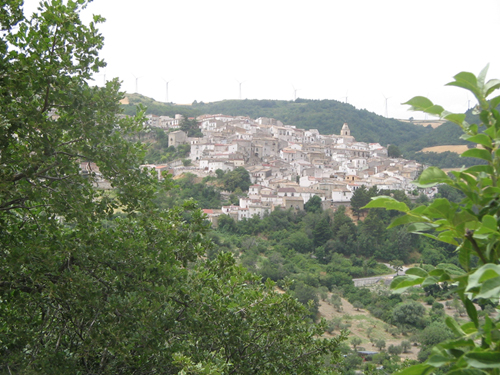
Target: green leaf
x,y
491,131
495,102
421,227
417,272
438,360
485,360
490,289
457,118
481,139
469,328
490,222
405,282
481,78
430,281
464,253
485,272
457,343
447,237
432,176
420,369
490,86
419,103
477,153
479,168
467,371
466,81
406,219
453,325
437,272
388,203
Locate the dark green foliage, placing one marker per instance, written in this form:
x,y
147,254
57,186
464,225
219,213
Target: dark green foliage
x,y
394,349
430,300
350,363
308,296
433,256
393,151
357,305
449,193
409,314
190,127
435,333
399,245
313,205
159,152
100,281
355,341
405,346
239,178
380,344
360,198
298,241
446,159
322,231
208,196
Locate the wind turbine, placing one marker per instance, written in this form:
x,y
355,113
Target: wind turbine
x,y
294,92
136,83
386,111
240,83
166,89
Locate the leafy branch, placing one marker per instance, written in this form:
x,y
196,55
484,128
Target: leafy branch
x,y
472,226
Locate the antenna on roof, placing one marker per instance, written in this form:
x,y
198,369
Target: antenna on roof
x,y
240,83
136,83
166,89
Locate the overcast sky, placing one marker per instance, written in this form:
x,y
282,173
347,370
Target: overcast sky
x,y
360,51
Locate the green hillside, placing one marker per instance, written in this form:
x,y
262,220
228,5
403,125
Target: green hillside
x,y
327,116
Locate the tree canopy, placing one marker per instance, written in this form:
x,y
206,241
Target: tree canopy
x,y
103,281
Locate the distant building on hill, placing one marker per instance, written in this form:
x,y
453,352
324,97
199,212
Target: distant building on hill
x,y
177,138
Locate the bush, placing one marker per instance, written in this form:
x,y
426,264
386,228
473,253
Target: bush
x,y
394,349
437,306
405,346
380,344
409,313
429,300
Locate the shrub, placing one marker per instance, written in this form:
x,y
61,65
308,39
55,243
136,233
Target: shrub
x,y
429,300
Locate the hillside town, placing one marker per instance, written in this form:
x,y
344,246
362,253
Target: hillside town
x,y
287,166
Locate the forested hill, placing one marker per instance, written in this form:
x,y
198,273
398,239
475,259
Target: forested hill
x,y
327,116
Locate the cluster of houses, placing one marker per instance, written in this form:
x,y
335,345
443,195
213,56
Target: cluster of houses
x,y
287,165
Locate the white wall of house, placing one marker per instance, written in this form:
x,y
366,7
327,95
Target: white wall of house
x,y
341,195
243,213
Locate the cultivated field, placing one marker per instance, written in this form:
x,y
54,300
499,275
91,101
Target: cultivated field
x,y
433,123
452,148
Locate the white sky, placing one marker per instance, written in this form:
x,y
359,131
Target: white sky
x,y
364,50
